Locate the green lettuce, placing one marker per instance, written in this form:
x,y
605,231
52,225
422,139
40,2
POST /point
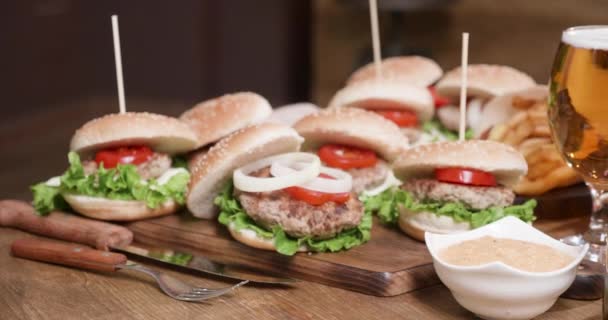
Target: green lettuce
x,y
231,212
387,204
432,126
120,183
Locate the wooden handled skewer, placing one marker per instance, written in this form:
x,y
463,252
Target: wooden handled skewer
x,y
118,61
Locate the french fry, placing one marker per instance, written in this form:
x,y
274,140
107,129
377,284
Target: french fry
x,y
541,131
531,144
522,103
498,132
560,177
541,169
519,132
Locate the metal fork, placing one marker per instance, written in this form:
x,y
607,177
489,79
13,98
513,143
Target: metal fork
x,y
180,290
87,258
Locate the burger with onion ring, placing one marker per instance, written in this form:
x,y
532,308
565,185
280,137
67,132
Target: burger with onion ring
x,y
272,197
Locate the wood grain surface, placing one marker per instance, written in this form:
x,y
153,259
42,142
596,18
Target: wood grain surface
x,y
389,264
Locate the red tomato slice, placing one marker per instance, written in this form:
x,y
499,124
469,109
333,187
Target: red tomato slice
x,y
402,118
440,101
123,155
465,176
343,157
317,198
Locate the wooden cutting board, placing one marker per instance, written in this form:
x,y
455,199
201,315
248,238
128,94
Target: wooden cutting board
x,y
389,264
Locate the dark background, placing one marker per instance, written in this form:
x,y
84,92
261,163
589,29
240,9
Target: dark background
x,y
184,51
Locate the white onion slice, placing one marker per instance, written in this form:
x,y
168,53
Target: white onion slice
x,y
342,182
390,181
244,182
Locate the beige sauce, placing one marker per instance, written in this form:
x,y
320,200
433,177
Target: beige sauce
x,y
519,254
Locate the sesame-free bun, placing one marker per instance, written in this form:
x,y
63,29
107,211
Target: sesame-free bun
x,y
211,172
250,238
116,210
353,127
484,81
504,162
159,132
216,118
415,224
386,94
500,109
414,70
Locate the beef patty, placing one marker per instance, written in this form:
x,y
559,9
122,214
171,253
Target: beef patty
x,y
158,164
298,218
368,178
473,197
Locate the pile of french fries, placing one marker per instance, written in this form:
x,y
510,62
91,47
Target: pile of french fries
x,y
528,131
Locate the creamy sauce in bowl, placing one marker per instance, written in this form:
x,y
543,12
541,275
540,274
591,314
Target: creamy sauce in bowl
x,y
522,255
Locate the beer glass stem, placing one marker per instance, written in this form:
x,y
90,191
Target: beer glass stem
x,y
598,226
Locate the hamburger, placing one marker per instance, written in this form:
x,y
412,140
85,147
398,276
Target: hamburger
x,y
453,187
122,167
483,83
268,197
414,70
291,113
360,142
406,105
216,118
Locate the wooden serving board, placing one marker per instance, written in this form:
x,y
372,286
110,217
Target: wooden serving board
x,y
389,264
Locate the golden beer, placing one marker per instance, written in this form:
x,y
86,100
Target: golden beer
x,y
578,102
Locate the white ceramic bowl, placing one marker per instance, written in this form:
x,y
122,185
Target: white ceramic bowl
x,y
496,290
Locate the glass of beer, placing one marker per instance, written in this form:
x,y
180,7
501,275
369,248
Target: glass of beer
x,y
578,116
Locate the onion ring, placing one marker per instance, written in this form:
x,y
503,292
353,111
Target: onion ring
x,y
244,182
342,183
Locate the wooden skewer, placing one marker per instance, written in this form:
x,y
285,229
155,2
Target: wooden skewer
x,y
373,15
118,61
463,86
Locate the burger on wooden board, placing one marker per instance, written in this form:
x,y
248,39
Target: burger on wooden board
x,y
483,83
272,197
453,187
358,141
122,167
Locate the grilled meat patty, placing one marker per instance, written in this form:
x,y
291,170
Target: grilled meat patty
x,y
158,164
472,197
299,218
368,178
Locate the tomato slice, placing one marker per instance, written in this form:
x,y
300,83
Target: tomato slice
x,y
317,198
439,100
345,157
402,118
123,155
465,176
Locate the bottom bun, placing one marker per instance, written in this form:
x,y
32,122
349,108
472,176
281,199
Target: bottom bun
x,y
250,238
117,210
415,224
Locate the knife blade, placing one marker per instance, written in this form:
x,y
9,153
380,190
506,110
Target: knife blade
x,y
105,236
201,264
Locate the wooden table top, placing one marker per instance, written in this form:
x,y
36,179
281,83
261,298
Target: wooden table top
x,y
33,290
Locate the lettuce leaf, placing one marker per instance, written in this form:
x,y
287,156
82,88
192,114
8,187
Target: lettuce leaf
x,y
47,198
387,205
432,126
231,212
120,183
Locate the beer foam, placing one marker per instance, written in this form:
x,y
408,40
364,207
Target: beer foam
x,y
589,37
